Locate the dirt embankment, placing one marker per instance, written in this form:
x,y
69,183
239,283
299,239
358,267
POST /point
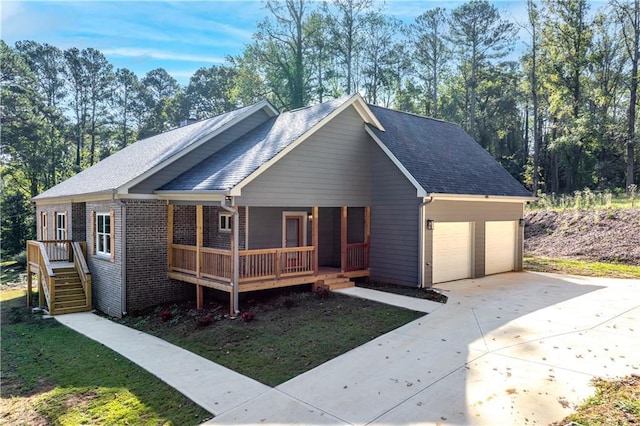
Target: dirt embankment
x,y
597,235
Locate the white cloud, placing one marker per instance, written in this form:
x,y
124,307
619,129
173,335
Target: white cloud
x,y
162,55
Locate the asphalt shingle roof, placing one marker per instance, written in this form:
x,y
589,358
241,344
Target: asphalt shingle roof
x,y
442,157
229,166
131,162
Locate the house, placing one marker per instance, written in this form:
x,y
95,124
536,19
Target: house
x,y
256,199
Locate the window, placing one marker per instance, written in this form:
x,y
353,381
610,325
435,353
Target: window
x,y
44,235
103,233
224,222
61,226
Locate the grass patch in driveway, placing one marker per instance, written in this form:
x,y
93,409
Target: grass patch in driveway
x,y
291,331
418,293
616,402
53,375
581,267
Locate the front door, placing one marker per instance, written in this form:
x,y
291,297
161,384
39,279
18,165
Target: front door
x,y
293,231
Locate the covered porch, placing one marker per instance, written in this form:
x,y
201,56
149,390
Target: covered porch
x,y
228,261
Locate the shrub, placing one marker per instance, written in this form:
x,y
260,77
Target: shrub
x,y
166,315
247,316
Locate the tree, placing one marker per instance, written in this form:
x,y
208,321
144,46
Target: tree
x,y
210,91
431,54
126,105
533,15
347,25
99,77
47,64
628,14
381,69
158,89
78,102
280,46
480,35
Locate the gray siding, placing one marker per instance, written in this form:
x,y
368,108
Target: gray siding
x,y
106,276
331,168
477,212
265,226
178,167
394,223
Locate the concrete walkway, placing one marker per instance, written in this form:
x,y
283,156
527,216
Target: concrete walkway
x,y
215,388
518,348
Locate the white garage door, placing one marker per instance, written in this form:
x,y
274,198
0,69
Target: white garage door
x,y
500,246
452,251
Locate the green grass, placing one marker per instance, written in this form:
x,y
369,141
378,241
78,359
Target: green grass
x,y
615,402
10,272
53,375
581,267
291,333
585,200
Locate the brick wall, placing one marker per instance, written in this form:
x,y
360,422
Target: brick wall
x,y
78,222
184,225
146,253
106,275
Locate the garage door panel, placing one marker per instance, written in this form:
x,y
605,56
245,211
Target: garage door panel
x,y
452,251
500,246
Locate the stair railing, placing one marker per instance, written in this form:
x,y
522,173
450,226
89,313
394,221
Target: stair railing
x,y
37,254
83,270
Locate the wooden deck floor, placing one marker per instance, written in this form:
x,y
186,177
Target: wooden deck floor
x,y
324,273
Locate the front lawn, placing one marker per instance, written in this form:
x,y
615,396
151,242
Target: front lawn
x,y
53,375
291,331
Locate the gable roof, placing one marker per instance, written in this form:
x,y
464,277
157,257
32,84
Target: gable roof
x,y
441,157
241,161
146,156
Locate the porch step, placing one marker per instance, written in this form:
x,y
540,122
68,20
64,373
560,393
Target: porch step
x,y
69,294
337,283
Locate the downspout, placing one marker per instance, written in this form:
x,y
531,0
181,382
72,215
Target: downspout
x,y
421,239
123,245
235,248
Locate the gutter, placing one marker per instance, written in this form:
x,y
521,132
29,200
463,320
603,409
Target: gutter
x,y
235,249
421,256
123,243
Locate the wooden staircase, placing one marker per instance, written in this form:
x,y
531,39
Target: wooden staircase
x,y
335,283
69,293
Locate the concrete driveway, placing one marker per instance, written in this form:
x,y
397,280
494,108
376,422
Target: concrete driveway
x,y
517,348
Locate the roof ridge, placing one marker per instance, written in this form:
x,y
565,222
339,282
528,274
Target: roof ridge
x,y
440,120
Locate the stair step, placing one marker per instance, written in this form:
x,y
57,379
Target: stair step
x,y
69,296
71,310
64,271
343,284
69,303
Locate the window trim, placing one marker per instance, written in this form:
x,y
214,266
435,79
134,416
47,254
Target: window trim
x,y
61,233
104,236
44,232
95,235
227,222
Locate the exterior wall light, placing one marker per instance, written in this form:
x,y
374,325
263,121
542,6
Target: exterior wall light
x,y
521,222
430,224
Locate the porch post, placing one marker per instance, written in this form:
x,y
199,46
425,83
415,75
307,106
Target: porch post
x,y
367,233
343,239
199,241
29,279
169,237
314,238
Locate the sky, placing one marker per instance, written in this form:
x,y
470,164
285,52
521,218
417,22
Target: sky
x,y
179,36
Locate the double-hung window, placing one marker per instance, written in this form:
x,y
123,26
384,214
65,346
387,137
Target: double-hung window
x,y
224,222
61,226
103,233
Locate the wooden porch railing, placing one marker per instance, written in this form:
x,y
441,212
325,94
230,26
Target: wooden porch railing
x,y
357,257
80,264
41,254
276,263
38,261
254,264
